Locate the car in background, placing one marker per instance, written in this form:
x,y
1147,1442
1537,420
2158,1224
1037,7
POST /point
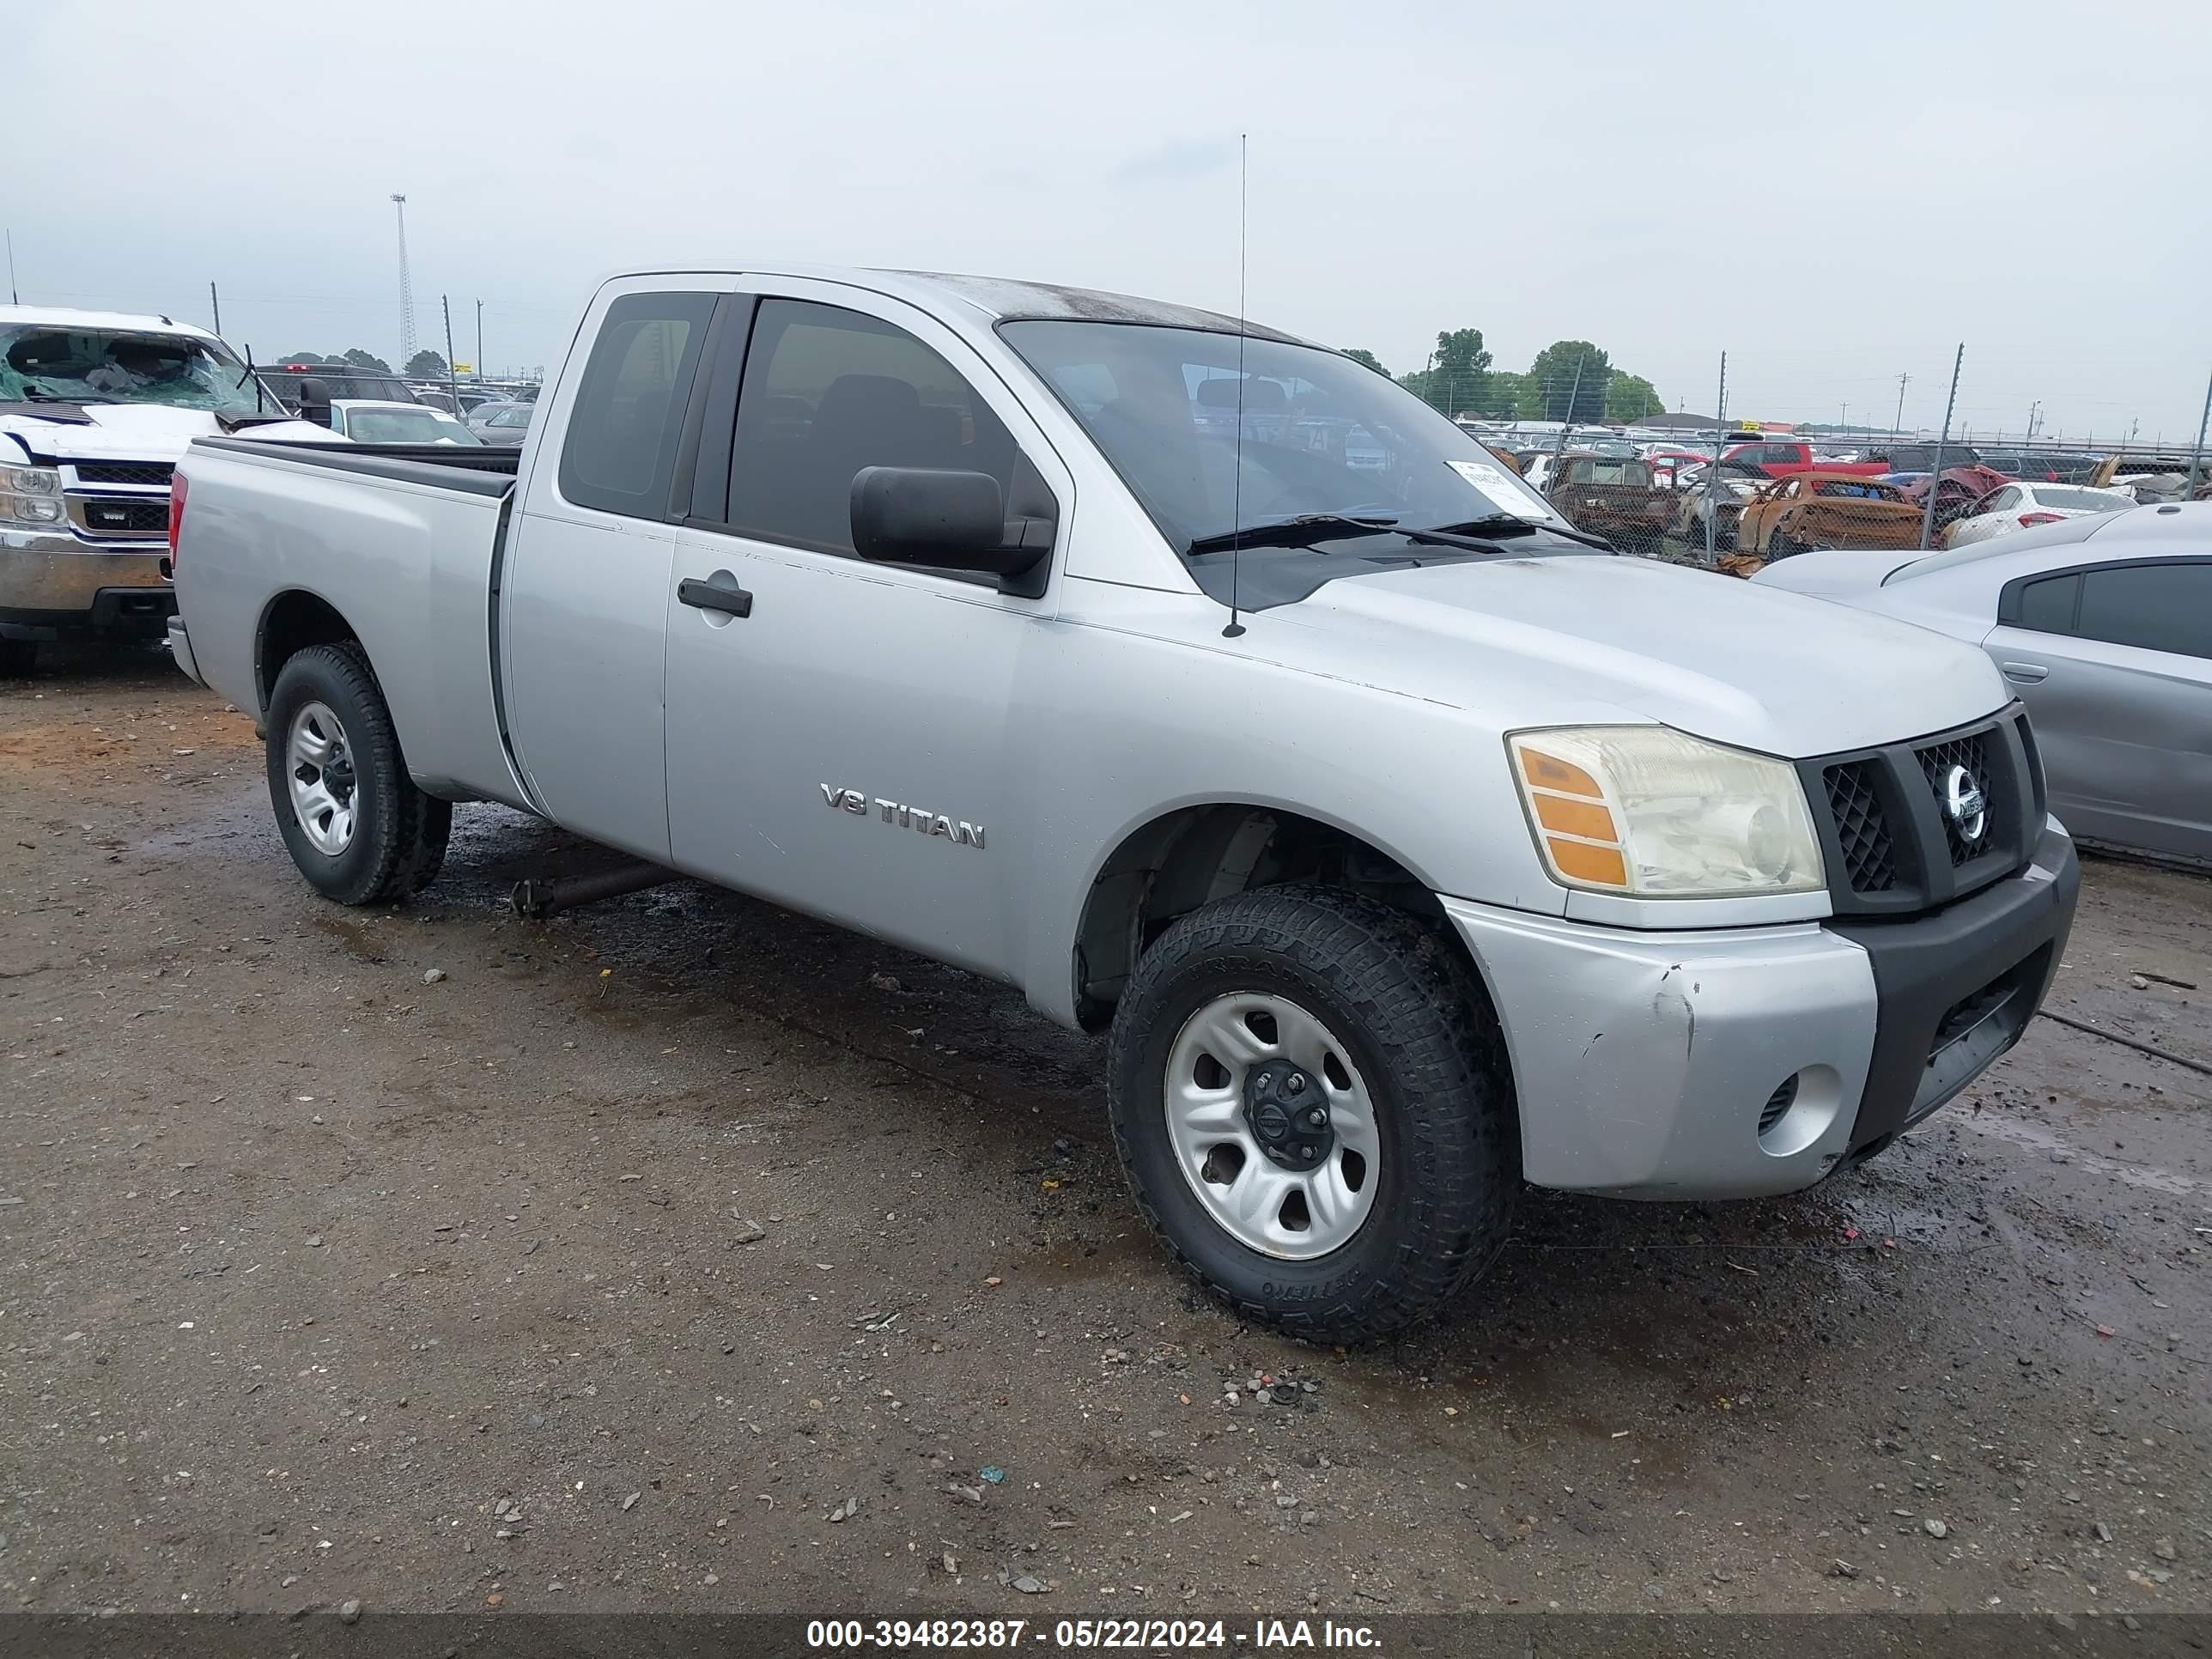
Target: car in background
x,y
367,421
2023,506
1956,489
1810,510
1922,458
95,410
2041,466
2102,626
313,384
1613,498
504,425
1706,495
1782,456
1668,463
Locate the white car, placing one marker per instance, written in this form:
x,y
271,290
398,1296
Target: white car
x,y
2023,506
367,420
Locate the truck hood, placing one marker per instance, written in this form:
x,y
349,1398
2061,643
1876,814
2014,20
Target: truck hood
x,y
1834,573
1529,641
117,432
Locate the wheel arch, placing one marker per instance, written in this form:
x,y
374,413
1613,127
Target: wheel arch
x,y
292,621
1186,856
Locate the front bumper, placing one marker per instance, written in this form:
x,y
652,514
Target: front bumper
x,y
54,585
1730,1063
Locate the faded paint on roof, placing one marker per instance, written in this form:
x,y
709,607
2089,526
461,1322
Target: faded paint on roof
x,y
1007,299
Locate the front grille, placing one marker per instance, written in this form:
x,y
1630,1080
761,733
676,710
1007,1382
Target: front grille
x,y
1891,848
120,515
1936,763
154,473
1869,851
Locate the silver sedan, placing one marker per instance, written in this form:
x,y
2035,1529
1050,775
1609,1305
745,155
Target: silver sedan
x,y
2102,625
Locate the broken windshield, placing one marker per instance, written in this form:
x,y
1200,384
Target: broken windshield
x,y
43,362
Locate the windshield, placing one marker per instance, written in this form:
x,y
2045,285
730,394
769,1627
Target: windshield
x,y
406,426
1604,470
1321,435
42,363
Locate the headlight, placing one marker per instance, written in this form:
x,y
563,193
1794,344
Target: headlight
x,y
30,495
1653,813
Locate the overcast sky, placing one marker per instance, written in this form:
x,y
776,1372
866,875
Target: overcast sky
x,y
1834,194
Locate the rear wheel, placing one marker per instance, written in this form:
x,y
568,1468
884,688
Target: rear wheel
x,y
1309,1094
354,822
18,657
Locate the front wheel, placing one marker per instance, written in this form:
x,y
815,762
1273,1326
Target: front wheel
x,y
1309,1094
354,822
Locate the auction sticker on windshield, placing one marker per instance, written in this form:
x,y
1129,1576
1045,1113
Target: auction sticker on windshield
x,y
1503,488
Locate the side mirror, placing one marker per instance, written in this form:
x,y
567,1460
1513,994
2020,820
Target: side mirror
x,y
944,519
314,400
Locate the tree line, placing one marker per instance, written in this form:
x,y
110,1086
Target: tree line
x,y
1569,380
424,364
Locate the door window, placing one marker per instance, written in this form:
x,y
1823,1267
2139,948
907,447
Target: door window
x,y
2047,606
2158,607
828,392
619,454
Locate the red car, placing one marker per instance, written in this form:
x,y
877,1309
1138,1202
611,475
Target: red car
x,y
1782,456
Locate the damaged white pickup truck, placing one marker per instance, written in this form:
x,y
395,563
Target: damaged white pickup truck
x,y
1201,682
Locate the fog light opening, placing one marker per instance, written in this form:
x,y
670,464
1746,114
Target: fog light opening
x,y
1800,1111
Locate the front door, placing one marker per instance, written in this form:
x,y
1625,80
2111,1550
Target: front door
x,y
843,736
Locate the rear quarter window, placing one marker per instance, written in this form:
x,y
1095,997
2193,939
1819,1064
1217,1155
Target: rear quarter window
x,y
619,453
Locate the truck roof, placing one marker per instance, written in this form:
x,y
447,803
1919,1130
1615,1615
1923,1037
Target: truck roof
x,y
997,299
68,317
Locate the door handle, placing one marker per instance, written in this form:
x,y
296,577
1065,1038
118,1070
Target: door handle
x,y
713,596
2027,673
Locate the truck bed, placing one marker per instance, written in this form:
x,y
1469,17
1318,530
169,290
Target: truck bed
x,y
403,540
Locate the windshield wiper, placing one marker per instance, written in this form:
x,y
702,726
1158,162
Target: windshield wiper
x,y
1302,531
1509,523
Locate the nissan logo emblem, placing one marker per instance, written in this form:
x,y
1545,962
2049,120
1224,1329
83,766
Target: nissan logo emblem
x,y
1964,805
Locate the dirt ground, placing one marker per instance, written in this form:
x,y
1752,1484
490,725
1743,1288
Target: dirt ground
x,y
682,1254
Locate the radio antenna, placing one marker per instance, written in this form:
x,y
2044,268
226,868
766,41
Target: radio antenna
x,y
1236,489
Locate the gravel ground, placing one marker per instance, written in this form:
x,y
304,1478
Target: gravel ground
x,y
682,1254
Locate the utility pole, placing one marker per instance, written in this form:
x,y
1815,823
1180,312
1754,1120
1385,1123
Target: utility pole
x,y
480,361
453,389
406,288
14,298
214,304
2034,410
1936,472
1573,392
1898,425
1713,485
2196,455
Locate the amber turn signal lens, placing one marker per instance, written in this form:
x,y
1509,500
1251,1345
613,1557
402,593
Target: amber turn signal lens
x,y
1581,861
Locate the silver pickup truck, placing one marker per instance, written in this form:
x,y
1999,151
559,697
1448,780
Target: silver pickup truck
x,y
1200,682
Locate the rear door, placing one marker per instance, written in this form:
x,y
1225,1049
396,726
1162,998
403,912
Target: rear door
x,y
583,594
844,736
2114,662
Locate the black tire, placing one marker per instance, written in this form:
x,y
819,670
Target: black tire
x,y
1416,1024
17,659
400,834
